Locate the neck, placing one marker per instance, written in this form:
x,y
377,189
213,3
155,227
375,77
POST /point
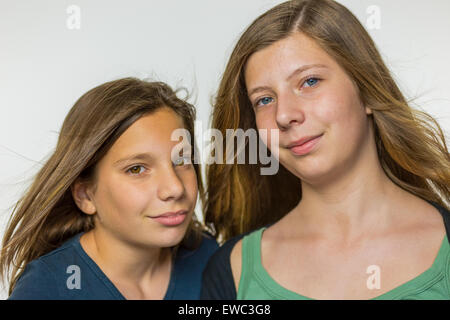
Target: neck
x,y
350,205
123,261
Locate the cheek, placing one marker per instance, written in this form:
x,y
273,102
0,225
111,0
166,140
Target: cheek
x,y
189,180
119,197
343,111
265,123
347,128
332,109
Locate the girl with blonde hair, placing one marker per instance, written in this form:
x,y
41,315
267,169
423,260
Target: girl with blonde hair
x,y
359,207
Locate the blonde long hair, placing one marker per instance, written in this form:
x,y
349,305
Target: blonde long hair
x,y
410,143
46,216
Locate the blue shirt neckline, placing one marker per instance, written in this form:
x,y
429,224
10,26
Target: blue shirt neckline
x,y
75,242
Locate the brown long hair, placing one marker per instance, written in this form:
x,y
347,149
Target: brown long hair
x,y
47,215
410,144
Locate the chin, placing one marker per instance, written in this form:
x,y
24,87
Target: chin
x,y
171,237
320,175
308,169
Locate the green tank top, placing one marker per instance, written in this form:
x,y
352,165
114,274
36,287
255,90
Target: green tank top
x,y
256,284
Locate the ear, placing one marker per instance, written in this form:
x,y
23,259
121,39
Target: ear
x,y
368,110
82,195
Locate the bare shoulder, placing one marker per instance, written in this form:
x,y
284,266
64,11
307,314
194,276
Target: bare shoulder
x,y
421,213
236,263
422,224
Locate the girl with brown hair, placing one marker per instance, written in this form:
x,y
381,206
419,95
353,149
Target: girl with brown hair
x,y
359,207
111,214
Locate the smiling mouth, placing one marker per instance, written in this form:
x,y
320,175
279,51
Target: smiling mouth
x,y
171,214
305,145
171,218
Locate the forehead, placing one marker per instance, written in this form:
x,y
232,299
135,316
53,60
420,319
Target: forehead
x,y
284,56
149,134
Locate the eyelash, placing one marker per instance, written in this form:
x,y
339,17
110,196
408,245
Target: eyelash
x,y
135,166
187,162
303,83
312,78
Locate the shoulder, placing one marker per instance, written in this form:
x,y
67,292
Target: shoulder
x,y
217,279
223,255
431,222
36,282
237,256
445,249
41,278
65,273
189,264
236,262
446,262
223,268
414,217
445,216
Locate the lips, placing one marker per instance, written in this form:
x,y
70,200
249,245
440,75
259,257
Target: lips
x,y
304,145
171,214
171,218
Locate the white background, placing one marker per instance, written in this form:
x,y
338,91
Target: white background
x,y
45,66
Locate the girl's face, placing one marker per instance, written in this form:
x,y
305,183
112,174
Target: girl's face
x,y
140,194
295,87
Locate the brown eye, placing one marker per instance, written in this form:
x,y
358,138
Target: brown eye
x,y
136,169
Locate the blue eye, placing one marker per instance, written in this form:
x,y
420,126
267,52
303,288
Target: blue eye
x,y
264,101
311,82
182,161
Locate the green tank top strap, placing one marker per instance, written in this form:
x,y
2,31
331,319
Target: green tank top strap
x,y
255,282
251,256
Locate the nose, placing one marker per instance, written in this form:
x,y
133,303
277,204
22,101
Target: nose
x,y
170,186
289,111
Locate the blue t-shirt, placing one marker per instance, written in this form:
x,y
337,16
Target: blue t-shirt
x,y
68,273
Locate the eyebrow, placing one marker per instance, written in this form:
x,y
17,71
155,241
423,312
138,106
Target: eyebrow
x,y
137,156
294,73
143,157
